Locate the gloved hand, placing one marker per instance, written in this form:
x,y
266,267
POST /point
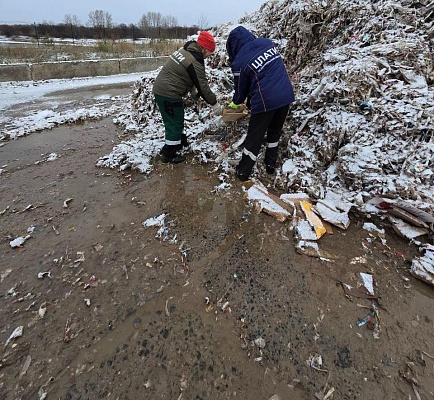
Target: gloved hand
x,y
194,95
233,105
217,109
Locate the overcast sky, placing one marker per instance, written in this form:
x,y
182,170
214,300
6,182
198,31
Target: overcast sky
x,y
187,12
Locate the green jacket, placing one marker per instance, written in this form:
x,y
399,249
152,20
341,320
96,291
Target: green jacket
x,y
184,69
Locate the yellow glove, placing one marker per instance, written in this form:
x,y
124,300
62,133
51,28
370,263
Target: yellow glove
x,y
233,105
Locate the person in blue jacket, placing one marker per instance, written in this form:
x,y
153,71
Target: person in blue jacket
x,y
260,77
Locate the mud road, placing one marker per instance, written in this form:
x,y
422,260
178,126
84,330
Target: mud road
x,y
217,305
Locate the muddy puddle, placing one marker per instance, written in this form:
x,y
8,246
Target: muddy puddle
x,y
218,306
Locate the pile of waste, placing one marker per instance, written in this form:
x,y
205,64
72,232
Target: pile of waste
x,y
362,125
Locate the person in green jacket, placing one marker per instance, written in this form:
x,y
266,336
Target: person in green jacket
x,y
183,72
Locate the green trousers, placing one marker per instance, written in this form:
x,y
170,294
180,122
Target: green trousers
x,y
172,112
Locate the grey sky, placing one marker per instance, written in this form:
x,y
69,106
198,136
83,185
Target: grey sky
x,y
187,12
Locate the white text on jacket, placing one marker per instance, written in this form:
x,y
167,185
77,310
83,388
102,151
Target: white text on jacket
x,y
266,57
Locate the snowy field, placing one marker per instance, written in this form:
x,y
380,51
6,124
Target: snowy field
x,y
27,107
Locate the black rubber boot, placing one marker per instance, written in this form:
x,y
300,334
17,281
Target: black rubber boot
x,y
184,140
175,159
270,169
242,177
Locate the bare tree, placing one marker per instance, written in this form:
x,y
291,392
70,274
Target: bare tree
x,y
108,20
155,19
169,21
144,23
73,20
96,19
101,20
203,22
73,23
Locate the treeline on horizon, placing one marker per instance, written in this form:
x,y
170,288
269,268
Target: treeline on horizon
x,y
100,25
121,31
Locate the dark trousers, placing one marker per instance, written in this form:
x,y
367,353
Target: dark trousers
x,y
269,123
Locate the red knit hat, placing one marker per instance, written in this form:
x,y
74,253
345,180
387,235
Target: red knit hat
x,y
206,41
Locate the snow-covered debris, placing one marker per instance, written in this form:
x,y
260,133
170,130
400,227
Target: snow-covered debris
x,y
264,201
363,73
423,267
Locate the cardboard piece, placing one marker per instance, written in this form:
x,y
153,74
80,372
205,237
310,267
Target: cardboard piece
x,y
313,219
267,202
230,115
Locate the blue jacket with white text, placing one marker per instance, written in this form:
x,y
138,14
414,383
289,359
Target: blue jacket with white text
x,y
260,75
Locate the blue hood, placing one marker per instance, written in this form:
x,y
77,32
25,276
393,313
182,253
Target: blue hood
x,y
236,40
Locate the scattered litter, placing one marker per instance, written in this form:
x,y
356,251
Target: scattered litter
x,y
52,157
66,202
355,292
313,219
329,212
147,384
93,281
267,202
71,329
80,257
97,246
4,210
372,321
366,320
260,342
42,393
166,308
29,207
160,289
5,274
124,268
155,221
359,260
406,230
370,227
315,361
368,282
404,211
311,249
42,275
423,267
15,334
304,231
42,310
184,261
222,187
87,302
19,241
26,365
163,231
